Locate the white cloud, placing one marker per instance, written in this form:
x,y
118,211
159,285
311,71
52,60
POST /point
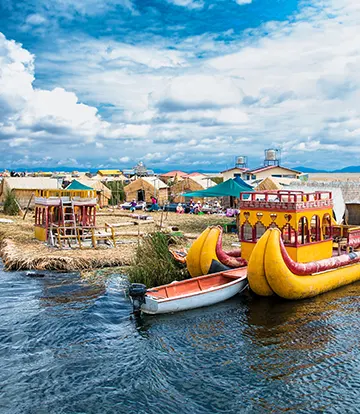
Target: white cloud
x,y
190,4
16,142
153,156
48,120
242,2
69,8
198,91
124,159
276,85
35,19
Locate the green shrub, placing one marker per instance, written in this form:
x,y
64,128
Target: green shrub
x,y
11,207
154,265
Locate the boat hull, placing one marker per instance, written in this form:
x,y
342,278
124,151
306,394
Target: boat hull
x,y
288,285
212,296
271,271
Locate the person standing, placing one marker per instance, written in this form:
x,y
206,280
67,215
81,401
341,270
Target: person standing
x,y
133,205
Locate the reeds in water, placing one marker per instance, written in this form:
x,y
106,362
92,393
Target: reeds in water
x,y
154,265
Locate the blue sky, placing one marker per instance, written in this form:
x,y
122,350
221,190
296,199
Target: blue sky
x,y
179,83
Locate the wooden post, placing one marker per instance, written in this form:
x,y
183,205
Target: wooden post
x,y
138,232
161,218
27,208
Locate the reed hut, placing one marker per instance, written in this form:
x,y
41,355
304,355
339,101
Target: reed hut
x,y
172,176
189,184
24,188
144,188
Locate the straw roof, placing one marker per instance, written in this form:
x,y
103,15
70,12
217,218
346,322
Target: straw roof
x,y
31,183
268,184
275,183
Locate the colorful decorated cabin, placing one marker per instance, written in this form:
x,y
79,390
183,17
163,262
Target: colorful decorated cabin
x,y
305,221
52,207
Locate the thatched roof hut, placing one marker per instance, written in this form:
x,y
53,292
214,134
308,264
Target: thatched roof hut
x,y
144,188
25,187
189,184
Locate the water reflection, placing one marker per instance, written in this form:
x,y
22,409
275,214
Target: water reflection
x,y
68,346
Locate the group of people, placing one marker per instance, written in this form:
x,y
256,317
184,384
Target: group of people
x,y
198,208
195,207
154,205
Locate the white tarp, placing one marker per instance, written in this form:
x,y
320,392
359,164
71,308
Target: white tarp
x,y
339,204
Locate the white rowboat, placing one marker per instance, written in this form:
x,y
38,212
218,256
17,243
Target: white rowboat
x,y
193,293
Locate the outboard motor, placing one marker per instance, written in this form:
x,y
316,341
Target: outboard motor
x,y
137,292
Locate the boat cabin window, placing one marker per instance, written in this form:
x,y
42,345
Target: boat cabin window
x,y
288,234
315,233
303,231
247,232
260,229
326,227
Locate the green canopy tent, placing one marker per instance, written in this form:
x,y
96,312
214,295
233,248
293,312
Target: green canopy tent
x,y
228,188
76,185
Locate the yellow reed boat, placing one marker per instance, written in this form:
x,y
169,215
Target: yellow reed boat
x,y
291,242
294,249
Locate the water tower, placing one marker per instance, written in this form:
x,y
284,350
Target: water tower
x,y
241,161
272,157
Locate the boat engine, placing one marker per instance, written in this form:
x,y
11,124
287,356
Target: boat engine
x,y
137,292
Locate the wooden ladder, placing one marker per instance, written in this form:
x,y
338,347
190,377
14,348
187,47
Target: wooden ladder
x,y
68,230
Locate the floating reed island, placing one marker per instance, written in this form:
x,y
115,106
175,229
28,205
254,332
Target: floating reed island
x,y
20,250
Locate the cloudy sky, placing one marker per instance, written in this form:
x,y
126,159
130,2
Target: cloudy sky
x,y
179,83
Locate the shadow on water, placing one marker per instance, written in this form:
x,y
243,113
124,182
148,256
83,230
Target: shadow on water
x,y
67,346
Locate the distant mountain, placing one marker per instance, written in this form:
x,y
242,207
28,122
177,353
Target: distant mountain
x,y
350,169
309,170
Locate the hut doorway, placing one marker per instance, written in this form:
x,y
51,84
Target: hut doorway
x,y
141,195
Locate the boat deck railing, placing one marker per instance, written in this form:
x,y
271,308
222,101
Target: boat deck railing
x,y
286,200
56,201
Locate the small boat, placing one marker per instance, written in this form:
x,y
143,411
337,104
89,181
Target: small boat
x,y
188,294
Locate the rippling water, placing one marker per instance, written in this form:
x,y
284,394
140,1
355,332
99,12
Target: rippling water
x,y
67,347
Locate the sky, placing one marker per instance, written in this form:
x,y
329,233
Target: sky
x,y
184,84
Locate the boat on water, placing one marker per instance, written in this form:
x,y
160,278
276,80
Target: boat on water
x,y
206,254
294,247
188,294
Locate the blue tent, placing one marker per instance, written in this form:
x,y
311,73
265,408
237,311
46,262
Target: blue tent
x,y
241,182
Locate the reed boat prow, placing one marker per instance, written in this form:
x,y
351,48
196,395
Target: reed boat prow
x,y
288,285
192,293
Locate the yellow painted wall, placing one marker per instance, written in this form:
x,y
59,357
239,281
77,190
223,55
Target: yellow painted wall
x,y
302,253
40,233
267,217
311,252
246,249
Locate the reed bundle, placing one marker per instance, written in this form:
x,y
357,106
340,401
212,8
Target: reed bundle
x,y
153,264
26,257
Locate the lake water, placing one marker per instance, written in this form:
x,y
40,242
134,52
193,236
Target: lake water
x,y
67,347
